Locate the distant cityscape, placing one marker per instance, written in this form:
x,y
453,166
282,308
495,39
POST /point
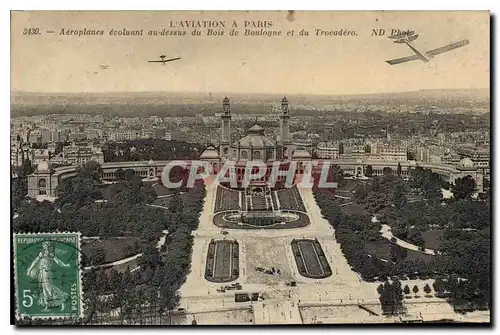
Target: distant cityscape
x,y
378,132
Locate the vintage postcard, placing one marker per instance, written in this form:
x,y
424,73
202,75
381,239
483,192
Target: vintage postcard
x,y
250,167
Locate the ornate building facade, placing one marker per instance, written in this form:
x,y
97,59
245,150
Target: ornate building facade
x,y
255,146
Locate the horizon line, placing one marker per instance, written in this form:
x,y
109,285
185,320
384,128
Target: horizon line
x,y
251,93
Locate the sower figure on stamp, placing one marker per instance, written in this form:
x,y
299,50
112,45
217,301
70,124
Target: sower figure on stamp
x,y
41,269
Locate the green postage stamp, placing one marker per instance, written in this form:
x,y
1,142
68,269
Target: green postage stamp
x,y
48,275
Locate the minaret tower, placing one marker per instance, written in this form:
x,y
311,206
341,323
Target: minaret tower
x,y
284,123
226,128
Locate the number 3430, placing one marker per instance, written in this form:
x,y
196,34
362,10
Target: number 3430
x,y
31,31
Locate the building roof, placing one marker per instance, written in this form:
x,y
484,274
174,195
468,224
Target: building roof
x,y
466,164
255,139
470,149
210,152
301,154
43,166
256,129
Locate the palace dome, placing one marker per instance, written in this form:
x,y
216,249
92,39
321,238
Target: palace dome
x,y
43,166
466,164
255,139
301,154
210,153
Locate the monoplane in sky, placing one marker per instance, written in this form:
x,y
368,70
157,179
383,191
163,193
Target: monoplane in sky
x,y
409,37
163,60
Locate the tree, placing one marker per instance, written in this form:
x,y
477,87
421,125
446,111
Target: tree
x,y
398,195
406,290
486,183
132,191
427,289
376,184
333,174
415,289
341,148
19,191
83,189
148,292
360,193
150,258
380,289
484,196
130,250
433,194
397,253
176,204
129,174
410,155
90,170
391,296
468,255
399,169
97,256
78,191
439,285
387,171
416,177
464,187
120,174
369,171
398,293
20,183
415,237
146,149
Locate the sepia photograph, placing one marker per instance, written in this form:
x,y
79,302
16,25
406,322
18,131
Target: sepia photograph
x,y
291,167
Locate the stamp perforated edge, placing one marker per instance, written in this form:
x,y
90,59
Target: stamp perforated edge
x,y
80,278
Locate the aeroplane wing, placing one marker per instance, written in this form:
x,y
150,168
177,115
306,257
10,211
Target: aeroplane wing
x,y
430,53
446,48
163,61
402,60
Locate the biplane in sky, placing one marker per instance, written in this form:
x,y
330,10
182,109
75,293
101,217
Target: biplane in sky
x,y
408,37
163,60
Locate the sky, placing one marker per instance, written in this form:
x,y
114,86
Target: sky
x,y
248,64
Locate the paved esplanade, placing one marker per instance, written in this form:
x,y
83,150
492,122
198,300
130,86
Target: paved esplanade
x,y
343,290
